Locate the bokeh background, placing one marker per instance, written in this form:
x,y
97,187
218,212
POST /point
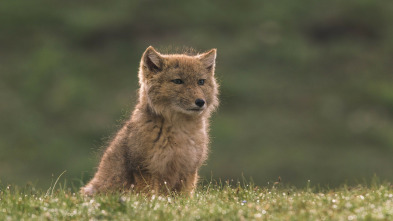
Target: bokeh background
x,y
306,86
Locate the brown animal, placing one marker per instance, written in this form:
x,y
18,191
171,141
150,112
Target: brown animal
x,y
164,143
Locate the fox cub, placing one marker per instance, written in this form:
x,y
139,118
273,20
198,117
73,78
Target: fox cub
x,y
165,141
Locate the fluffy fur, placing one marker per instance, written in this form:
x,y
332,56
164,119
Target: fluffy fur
x,y
164,143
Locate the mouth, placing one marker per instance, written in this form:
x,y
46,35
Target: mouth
x,y
195,109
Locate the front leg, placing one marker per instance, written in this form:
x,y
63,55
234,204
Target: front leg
x,y
190,183
148,183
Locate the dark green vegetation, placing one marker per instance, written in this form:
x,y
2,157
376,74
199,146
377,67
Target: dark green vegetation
x,y
307,86
213,202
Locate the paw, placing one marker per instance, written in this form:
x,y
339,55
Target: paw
x,y
88,190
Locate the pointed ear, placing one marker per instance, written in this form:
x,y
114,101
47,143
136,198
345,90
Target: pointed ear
x,y
152,59
209,59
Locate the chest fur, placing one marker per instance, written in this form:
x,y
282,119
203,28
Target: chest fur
x,y
177,152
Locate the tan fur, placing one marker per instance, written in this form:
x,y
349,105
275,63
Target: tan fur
x,y
164,143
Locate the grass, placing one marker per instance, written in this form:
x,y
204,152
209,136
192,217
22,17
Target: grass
x,y
210,202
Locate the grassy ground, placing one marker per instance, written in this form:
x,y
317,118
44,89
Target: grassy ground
x,y
211,202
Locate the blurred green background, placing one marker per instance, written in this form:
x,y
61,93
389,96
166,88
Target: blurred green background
x,y
306,86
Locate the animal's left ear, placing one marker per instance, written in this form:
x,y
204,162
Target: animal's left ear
x,y
209,59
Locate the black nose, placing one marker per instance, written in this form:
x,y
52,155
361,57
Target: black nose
x,y
199,102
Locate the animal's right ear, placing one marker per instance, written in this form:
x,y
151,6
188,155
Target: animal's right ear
x,y
152,59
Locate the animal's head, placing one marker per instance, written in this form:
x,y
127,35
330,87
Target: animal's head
x,y
179,83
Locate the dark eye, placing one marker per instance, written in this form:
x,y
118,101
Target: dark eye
x,y
178,81
201,82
